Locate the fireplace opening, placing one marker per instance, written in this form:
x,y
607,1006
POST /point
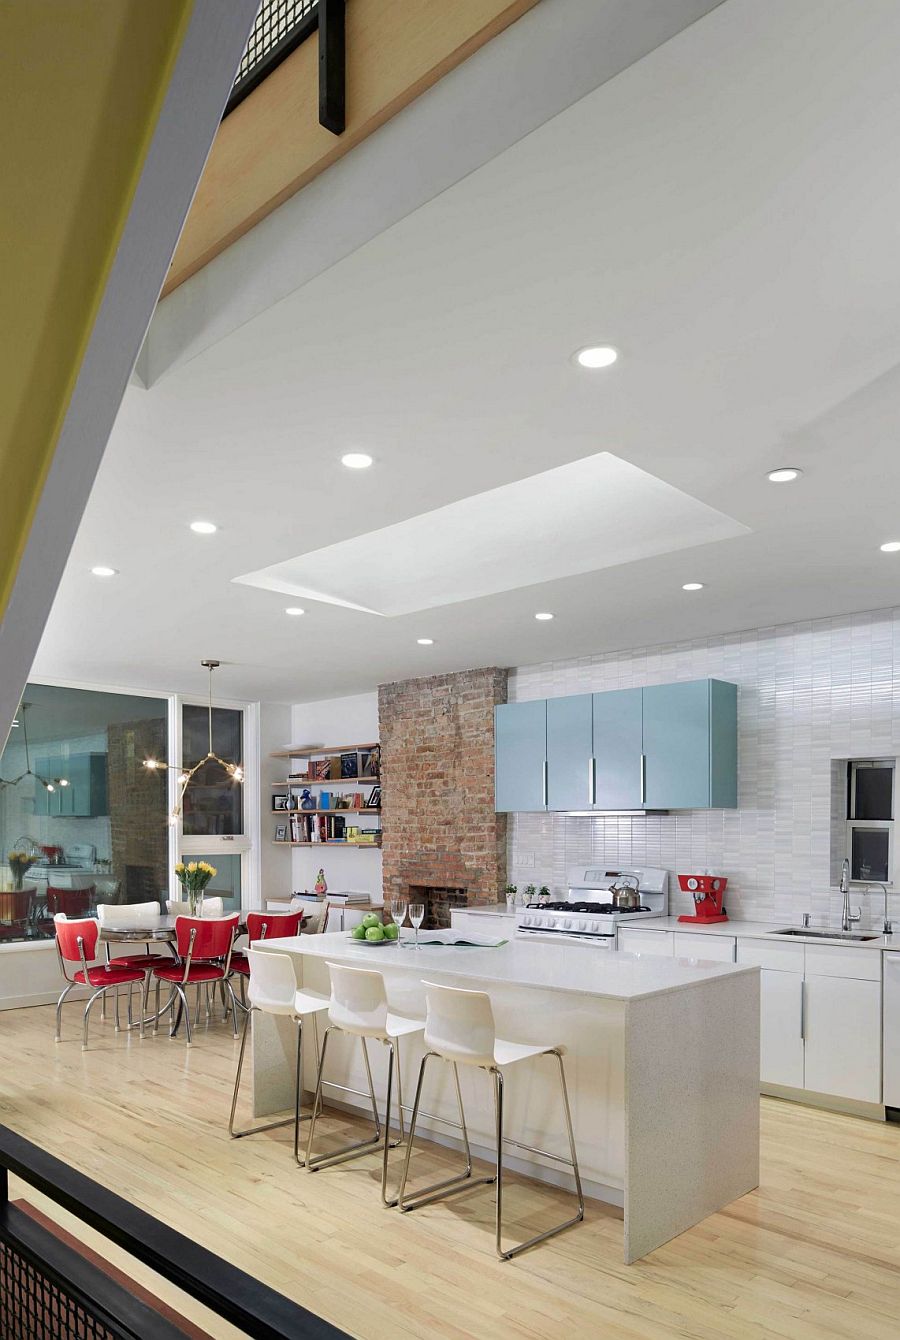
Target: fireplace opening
x,y
438,904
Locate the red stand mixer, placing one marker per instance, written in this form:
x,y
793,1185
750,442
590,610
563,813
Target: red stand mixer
x,y
707,892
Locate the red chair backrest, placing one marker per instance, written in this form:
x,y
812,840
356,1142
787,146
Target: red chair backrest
x,y
71,902
67,933
213,938
270,925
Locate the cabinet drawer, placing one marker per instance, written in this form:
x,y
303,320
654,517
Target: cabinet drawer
x,y
836,961
658,943
717,947
771,954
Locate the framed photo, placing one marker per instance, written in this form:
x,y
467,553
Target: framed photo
x,y
373,800
279,802
281,832
369,760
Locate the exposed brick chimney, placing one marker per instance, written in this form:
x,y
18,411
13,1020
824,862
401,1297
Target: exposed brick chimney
x,y
442,839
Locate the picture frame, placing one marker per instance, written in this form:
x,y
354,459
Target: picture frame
x,y
280,802
281,833
369,762
373,800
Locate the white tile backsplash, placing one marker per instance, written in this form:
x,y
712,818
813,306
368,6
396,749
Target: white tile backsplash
x,y
808,693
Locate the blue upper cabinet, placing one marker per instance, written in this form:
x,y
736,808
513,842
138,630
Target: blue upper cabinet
x,y
570,774
690,745
617,749
520,751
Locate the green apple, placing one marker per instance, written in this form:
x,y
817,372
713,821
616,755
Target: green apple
x,y
358,932
392,931
374,933
370,919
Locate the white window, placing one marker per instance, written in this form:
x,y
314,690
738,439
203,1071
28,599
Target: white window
x,y
870,819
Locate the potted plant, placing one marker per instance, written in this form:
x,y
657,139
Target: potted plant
x,y
544,894
530,894
511,891
193,879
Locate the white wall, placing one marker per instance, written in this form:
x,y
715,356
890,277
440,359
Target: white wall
x,y
809,693
274,862
337,721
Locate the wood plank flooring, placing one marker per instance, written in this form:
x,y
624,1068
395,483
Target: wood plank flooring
x,y
814,1254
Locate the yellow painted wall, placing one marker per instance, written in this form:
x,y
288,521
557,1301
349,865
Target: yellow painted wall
x,y
81,86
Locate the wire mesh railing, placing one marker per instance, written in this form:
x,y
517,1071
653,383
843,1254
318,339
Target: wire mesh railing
x,y
280,26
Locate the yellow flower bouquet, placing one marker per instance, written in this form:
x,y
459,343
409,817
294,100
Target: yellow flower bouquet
x,y
193,877
20,862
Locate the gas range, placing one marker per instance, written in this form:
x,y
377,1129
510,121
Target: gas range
x,y
586,914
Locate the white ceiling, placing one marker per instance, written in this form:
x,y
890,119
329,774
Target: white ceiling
x,y
725,212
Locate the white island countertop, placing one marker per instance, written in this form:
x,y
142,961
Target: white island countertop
x,y
572,968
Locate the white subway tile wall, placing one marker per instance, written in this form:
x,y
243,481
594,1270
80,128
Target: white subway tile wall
x,y
809,693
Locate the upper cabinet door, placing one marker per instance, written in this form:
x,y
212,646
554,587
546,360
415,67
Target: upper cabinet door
x,y
570,781
520,745
677,746
617,734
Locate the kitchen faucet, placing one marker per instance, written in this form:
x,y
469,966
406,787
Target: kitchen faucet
x,y
887,928
847,917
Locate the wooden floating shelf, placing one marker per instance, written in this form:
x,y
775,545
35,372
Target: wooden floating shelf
x,y
321,751
329,842
325,781
360,809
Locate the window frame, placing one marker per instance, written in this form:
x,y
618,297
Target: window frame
x,y
870,825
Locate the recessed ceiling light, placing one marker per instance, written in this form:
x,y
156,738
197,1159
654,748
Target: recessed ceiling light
x,y
596,356
544,615
891,547
425,641
204,527
785,475
294,610
692,586
356,460
101,571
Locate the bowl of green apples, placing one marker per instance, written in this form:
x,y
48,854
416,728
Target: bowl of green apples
x,y
371,931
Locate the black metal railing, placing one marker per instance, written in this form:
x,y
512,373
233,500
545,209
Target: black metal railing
x,y
48,1288
280,27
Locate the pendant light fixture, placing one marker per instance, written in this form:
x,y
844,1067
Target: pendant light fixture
x,y
186,775
49,784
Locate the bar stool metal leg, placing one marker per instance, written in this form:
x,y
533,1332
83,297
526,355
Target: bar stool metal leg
x,y
450,1185
313,1164
282,1121
572,1162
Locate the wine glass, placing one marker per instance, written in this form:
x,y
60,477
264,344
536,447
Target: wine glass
x,y
398,911
417,916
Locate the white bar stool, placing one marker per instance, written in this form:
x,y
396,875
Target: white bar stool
x,y
273,990
359,1006
459,1028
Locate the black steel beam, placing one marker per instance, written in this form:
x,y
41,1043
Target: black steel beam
x,y
332,65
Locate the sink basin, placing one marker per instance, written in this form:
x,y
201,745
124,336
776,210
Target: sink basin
x,y
828,935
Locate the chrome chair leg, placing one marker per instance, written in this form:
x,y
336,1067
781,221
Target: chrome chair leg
x,y
450,1185
352,1151
118,1025
270,1125
571,1162
185,1013
230,988
130,1012
59,1005
156,1020
87,1015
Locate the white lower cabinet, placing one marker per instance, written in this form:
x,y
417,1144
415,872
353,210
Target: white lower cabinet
x,y
843,1037
820,1017
716,948
781,1028
657,943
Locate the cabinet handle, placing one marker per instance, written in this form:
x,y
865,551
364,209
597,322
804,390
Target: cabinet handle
x,y
544,784
592,781
643,779
803,1011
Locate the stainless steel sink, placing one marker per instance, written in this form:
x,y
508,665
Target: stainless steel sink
x,y
806,932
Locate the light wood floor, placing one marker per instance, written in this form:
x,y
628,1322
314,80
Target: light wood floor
x,y
814,1253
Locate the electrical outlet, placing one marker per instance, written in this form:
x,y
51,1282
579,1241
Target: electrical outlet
x,y
525,860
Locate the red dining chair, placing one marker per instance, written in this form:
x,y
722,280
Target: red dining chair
x,y
70,902
204,946
76,942
263,926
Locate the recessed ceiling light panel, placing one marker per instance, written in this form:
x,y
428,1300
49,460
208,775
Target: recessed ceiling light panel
x,y
596,356
892,547
425,641
356,460
543,615
786,474
295,611
692,586
204,527
101,571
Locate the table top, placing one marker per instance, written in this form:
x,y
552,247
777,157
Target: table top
x,y
161,929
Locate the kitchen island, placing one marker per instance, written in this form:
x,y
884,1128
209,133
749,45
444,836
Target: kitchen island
x,y
662,1060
